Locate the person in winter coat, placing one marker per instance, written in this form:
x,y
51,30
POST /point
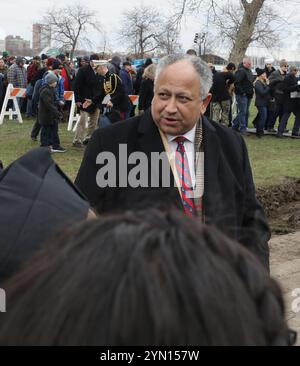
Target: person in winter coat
x,y
87,85
114,65
244,93
3,81
269,68
17,76
262,101
125,75
147,89
112,86
276,82
139,75
59,94
291,102
48,115
127,78
221,98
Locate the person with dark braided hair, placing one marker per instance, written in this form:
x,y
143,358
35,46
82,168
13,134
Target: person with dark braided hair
x,y
149,278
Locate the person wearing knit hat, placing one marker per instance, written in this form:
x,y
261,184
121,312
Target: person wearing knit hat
x,y
44,59
260,72
269,66
61,57
20,60
50,62
56,65
51,79
48,114
262,101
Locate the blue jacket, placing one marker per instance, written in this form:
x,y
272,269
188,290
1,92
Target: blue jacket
x,y
59,90
126,81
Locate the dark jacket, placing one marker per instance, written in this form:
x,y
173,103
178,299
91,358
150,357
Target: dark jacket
x,y
119,98
146,94
39,75
221,82
86,86
269,72
290,84
276,84
262,94
126,81
47,110
244,82
114,65
229,200
138,80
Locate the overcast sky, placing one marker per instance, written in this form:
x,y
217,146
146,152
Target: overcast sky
x,y
17,17
23,14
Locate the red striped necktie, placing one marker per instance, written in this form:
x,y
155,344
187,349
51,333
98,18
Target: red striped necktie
x,y
185,179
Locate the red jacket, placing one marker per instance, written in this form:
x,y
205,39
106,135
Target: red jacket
x,y
66,77
31,72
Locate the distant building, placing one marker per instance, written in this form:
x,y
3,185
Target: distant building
x,y
17,46
41,37
2,45
214,59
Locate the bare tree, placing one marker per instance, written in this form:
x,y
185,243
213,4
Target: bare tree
x,y
141,29
168,39
69,26
240,23
104,46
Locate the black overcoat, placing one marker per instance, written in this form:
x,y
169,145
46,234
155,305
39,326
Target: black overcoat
x,y
229,201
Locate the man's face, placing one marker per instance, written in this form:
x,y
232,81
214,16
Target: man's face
x,y
177,106
2,64
294,72
247,64
269,66
102,70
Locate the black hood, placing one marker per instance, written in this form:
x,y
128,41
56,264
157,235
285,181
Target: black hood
x,y
36,201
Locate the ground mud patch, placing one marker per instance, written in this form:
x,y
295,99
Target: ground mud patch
x,y
282,205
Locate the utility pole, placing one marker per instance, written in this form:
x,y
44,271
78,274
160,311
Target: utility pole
x,y
200,39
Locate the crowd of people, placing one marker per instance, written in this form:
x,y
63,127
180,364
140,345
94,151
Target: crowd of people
x,y
277,97
140,261
91,80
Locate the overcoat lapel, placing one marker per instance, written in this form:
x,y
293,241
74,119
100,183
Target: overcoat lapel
x,y
149,141
211,201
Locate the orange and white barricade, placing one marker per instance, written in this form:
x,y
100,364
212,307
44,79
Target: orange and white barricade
x,y
69,97
12,94
134,99
77,118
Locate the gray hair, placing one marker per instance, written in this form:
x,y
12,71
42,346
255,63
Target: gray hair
x,y
201,67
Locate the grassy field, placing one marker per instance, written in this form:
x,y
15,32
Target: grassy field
x,y
272,159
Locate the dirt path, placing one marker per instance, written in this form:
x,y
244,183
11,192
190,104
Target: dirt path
x,y
285,267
